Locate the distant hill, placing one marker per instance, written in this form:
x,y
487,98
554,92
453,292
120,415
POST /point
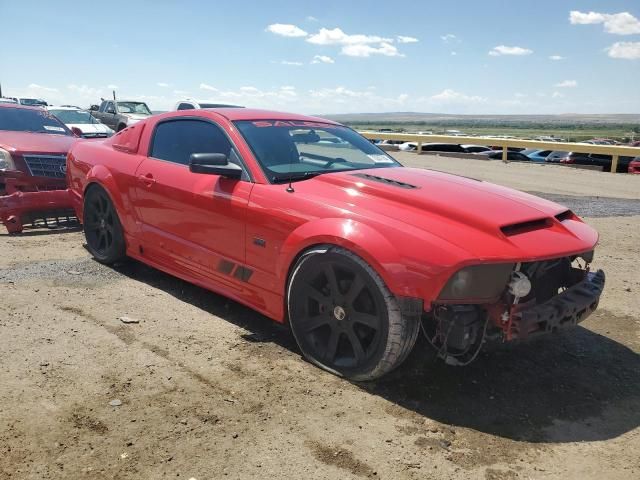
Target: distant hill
x,y
436,118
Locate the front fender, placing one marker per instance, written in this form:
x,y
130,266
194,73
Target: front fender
x,y
360,238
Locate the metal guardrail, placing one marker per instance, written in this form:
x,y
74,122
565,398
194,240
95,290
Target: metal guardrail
x,y
614,150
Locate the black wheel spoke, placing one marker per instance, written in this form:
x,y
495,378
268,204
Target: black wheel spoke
x,y
311,292
354,289
356,345
371,321
332,346
313,323
332,280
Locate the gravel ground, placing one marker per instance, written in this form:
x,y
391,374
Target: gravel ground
x,y
204,388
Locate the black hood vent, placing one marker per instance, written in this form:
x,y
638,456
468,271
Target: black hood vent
x,y
386,181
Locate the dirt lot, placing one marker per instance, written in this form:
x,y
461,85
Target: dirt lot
x,y
210,389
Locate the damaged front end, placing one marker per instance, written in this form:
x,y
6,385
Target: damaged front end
x,y
38,201
505,302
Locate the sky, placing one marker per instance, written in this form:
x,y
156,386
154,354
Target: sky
x,y
323,57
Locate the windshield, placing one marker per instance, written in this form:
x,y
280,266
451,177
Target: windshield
x,y
298,150
31,120
73,116
134,107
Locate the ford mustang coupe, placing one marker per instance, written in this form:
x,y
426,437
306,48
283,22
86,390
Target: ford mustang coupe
x,y
309,223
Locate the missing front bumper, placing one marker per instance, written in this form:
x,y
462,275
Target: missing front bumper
x,y
564,310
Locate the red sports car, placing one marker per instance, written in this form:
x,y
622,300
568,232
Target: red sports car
x,y
309,223
634,166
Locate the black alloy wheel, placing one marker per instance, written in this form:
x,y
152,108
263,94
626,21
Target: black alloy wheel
x,y
344,318
102,228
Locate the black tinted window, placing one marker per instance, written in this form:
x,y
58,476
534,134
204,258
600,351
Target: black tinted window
x,y
176,140
185,106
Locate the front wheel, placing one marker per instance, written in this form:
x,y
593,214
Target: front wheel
x,y
102,228
344,318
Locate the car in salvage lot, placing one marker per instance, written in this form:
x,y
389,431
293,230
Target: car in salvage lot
x,y
33,151
634,166
121,113
254,205
81,122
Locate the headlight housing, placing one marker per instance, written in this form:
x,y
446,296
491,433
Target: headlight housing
x,y
477,282
6,162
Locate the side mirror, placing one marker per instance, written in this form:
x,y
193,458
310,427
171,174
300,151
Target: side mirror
x,y
94,108
214,164
76,131
111,110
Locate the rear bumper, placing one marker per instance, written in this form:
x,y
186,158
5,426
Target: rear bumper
x,y
565,309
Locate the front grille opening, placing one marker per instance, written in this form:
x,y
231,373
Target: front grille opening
x,y
387,181
53,166
525,227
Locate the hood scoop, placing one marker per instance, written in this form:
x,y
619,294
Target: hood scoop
x,y
525,227
386,181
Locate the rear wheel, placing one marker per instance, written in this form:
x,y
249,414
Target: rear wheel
x,y
102,228
345,319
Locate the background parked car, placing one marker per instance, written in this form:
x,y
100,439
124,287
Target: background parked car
x,y
192,105
512,156
634,166
120,114
442,147
555,156
7,100
475,148
597,160
536,155
30,102
81,122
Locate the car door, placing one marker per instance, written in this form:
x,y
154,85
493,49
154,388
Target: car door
x,y
193,223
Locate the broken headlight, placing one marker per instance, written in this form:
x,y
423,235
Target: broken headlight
x,y
477,282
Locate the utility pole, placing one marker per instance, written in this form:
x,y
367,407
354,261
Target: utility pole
x,y
0,90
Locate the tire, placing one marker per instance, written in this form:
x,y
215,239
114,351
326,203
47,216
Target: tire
x,y
122,126
102,228
344,318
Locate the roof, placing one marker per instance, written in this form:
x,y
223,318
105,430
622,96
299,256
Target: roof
x,y
256,114
17,105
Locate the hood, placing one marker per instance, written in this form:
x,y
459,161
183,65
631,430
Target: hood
x,y
90,127
18,142
468,213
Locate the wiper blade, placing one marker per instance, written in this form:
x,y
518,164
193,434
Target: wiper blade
x,y
294,177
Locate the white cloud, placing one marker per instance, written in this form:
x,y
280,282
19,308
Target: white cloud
x,y
180,92
112,87
403,39
556,57
557,95
311,18
451,96
361,50
41,88
322,59
618,23
162,84
504,50
286,30
337,37
520,95
288,62
625,50
567,84
448,37
204,86
454,53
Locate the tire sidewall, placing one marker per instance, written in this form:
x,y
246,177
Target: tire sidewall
x,y
117,250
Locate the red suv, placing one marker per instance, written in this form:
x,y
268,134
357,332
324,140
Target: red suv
x,y
33,158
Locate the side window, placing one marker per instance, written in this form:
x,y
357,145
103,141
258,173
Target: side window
x,y
185,106
108,106
176,140
103,107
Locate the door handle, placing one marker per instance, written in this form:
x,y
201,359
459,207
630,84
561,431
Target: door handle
x,y
147,179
